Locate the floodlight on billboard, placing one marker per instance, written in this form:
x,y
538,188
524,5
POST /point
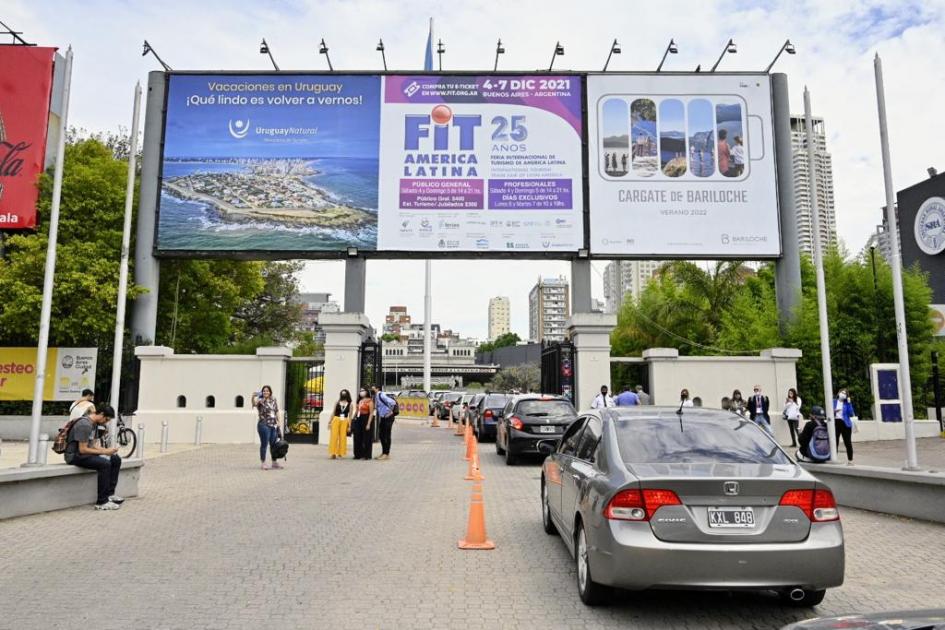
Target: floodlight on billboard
x,y
24,114
682,166
316,164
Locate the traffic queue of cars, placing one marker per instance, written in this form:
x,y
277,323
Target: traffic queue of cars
x,y
652,497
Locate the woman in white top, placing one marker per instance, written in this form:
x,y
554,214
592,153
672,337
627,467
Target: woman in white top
x,y
792,413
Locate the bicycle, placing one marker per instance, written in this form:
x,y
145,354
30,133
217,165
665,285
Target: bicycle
x,y
127,439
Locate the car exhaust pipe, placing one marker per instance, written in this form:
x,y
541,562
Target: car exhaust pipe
x,y
796,594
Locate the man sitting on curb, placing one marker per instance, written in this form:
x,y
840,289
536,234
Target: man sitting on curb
x,y
82,451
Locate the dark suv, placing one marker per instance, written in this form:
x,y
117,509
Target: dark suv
x,y
528,420
487,414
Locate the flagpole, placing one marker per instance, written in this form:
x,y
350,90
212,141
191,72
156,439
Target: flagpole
x,y
123,269
42,348
905,378
821,285
427,297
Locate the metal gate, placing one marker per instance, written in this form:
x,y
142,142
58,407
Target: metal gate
x,y
557,369
304,398
372,371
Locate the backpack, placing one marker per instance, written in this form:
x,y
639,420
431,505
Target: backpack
x,y
820,442
61,442
394,407
279,449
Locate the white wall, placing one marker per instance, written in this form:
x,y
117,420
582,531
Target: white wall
x,y
165,376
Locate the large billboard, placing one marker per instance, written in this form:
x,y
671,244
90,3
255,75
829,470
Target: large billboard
x,y
25,89
682,166
316,164
69,371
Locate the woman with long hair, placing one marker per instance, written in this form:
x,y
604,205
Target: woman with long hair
x,y
738,403
361,425
339,423
267,409
792,413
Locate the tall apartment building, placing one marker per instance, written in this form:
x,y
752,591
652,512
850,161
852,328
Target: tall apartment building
x,y
499,317
626,277
802,188
313,305
397,321
549,306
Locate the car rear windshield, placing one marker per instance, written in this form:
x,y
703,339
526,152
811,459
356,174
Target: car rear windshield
x,y
549,408
696,441
494,401
452,397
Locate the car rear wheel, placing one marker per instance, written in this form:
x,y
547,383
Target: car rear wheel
x,y
592,593
546,521
809,599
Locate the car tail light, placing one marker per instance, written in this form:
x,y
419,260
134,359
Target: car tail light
x,y
634,505
817,505
487,414
516,423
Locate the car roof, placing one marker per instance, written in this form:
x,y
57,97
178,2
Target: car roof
x,y
520,397
647,412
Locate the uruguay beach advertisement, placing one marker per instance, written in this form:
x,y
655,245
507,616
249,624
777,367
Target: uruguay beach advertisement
x,y
322,163
682,166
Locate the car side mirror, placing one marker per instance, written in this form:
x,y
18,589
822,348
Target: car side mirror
x,y
546,447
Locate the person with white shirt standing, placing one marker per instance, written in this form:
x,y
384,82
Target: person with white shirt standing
x,y
792,413
603,399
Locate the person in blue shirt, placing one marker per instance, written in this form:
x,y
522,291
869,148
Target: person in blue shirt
x,y
627,398
842,414
384,406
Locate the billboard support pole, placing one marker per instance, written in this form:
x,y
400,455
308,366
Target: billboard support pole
x,y
580,285
355,276
895,260
147,267
821,288
787,269
46,309
123,269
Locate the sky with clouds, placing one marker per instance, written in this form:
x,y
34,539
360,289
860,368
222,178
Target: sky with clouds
x,y
835,39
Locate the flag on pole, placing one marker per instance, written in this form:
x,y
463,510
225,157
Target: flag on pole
x,y
428,55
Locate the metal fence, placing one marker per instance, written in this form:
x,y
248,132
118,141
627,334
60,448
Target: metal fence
x,y
304,398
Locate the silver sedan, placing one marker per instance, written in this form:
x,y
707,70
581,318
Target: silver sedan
x,y
649,497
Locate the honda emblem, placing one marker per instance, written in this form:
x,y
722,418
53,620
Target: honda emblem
x,y
730,488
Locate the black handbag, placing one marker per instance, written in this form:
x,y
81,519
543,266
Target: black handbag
x,y
278,449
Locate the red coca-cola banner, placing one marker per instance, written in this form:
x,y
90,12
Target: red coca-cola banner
x,y
25,86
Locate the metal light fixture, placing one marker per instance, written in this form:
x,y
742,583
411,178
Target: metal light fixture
x,y
786,47
614,50
671,49
323,50
352,252
380,49
264,50
729,48
559,50
17,40
148,49
499,50
440,49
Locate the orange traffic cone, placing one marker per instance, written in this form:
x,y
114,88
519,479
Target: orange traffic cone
x,y
436,422
468,438
476,528
459,429
472,472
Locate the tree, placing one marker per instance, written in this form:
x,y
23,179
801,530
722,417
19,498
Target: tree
x,y
502,341
390,337
520,377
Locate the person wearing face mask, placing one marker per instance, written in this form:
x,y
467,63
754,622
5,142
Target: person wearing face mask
x,y
757,407
737,403
842,414
361,426
339,423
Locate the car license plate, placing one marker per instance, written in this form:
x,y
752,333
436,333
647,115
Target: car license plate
x,y
547,428
731,517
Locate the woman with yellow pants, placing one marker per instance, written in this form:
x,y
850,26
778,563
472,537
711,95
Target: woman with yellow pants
x,y
340,421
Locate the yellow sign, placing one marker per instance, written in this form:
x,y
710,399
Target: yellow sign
x,y
938,319
68,372
413,406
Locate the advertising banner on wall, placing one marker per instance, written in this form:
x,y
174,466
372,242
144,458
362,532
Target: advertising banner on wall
x,y
481,163
921,210
682,166
25,88
74,371
263,164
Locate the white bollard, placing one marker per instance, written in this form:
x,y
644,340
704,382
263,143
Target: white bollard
x,y
43,448
198,431
164,432
140,441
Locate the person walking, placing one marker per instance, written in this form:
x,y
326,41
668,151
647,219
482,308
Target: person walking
x,y
843,421
643,396
627,398
267,426
737,403
339,425
758,406
792,413
384,409
83,451
684,399
361,426
603,399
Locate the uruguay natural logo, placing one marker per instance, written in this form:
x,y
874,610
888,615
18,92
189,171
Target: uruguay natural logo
x,y
239,128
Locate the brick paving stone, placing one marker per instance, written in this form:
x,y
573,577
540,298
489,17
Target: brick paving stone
x,y
214,542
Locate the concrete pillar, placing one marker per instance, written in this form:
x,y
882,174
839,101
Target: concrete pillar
x,y
355,284
590,334
344,333
580,285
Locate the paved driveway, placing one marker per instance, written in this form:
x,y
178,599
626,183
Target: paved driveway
x,y
214,542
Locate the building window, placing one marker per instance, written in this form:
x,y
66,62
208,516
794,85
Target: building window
x,y
239,401
182,401
211,402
